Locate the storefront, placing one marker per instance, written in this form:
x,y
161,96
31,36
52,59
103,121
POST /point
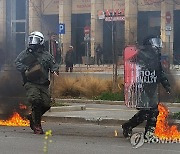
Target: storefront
x,y
149,23
135,20
16,27
113,39
176,51
79,21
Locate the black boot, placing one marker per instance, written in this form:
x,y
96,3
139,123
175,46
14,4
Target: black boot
x,y
38,129
37,126
137,119
36,116
29,117
127,130
151,124
150,137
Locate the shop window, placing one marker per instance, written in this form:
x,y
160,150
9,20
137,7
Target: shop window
x,y
149,23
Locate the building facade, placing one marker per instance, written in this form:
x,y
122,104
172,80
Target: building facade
x,y
87,23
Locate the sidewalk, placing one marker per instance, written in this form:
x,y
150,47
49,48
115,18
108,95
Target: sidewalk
x,y
108,68
89,111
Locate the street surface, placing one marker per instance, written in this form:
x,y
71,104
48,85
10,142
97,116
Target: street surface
x,y
76,139
101,114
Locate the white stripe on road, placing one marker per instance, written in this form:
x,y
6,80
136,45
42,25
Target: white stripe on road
x,y
162,150
109,109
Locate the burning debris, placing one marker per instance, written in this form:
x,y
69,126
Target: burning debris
x,y
163,130
164,133
15,120
22,106
12,98
115,133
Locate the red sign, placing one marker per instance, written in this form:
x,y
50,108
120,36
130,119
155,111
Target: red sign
x,y
168,17
86,30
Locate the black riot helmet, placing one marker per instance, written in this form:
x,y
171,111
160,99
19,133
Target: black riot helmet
x,y
153,42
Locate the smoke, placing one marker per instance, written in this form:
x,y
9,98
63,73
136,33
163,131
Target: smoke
x,y
12,92
174,81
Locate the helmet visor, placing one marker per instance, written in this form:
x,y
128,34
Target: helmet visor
x,y
33,40
156,42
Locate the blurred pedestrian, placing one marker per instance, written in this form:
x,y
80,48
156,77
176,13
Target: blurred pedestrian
x,y
99,54
52,46
69,59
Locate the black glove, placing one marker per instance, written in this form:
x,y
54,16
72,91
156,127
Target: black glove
x,y
55,72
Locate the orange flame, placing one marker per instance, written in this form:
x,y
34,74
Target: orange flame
x,y
15,120
163,130
22,106
115,133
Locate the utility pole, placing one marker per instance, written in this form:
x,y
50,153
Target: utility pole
x,y
27,23
114,52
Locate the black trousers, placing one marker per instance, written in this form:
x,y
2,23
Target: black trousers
x,y
99,59
38,109
69,66
149,115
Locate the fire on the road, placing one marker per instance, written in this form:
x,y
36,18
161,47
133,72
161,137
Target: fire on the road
x,y
22,106
115,133
15,120
163,131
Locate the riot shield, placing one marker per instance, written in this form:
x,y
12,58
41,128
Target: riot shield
x,y
140,82
130,73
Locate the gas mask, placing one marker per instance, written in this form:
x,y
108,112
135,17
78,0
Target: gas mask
x,y
156,43
35,40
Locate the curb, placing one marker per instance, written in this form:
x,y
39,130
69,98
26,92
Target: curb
x,y
84,120
173,104
85,101
105,102
68,108
80,120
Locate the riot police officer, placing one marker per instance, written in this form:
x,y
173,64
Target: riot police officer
x,y
148,59
35,63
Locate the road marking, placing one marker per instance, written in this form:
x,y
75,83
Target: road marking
x,y
110,109
160,150
165,150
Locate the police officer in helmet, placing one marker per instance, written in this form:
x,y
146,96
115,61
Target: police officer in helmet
x,y
148,59
35,63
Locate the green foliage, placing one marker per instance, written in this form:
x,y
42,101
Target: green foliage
x,y
177,99
111,96
58,103
176,115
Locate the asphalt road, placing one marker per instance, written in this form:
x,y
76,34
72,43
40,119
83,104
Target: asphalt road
x,y
75,139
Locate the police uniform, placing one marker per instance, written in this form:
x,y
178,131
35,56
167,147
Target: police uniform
x,y
151,75
36,82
